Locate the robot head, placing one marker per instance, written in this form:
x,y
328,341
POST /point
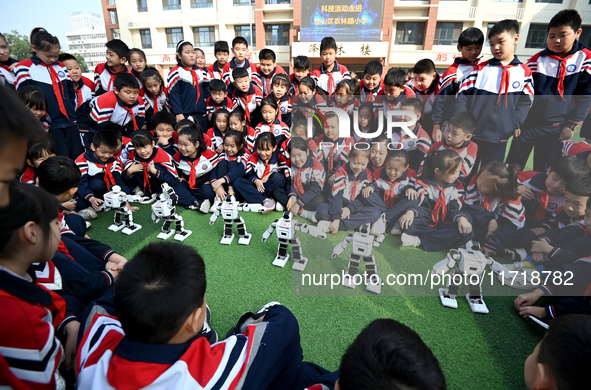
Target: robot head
x,y
364,229
116,189
286,215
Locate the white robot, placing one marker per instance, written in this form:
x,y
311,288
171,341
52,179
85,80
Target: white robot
x,y
465,262
230,211
165,208
363,243
117,200
286,232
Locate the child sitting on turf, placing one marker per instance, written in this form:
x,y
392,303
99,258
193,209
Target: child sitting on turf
x,y
164,123
220,127
237,122
246,94
154,94
366,123
395,90
267,70
342,210
231,165
270,123
301,66
219,99
438,221
279,87
36,154
307,180
345,96
418,147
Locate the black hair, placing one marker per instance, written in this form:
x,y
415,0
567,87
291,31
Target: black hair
x,y
425,66
328,43
115,130
269,101
389,355
58,174
368,106
124,79
568,168
300,143
359,152
221,47
202,52
158,290
221,111
239,73
195,135
302,62
265,140
163,117
566,17
352,86
17,122
141,138
414,103
239,40
282,80
373,67
42,40
446,160
38,149
239,113
118,47
238,137
397,154
179,49
135,50
510,26
105,137
395,77
267,55
150,72
580,186
66,57
566,350
308,82
330,114
27,203
471,36
465,121
216,85
505,183
33,97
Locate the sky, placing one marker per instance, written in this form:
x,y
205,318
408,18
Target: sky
x,y
53,15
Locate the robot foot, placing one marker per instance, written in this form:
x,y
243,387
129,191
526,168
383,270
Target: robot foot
x,y
164,235
300,265
374,285
182,235
227,240
280,261
447,300
477,304
115,228
348,282
132,229
245,240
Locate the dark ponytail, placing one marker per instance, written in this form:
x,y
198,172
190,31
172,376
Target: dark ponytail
x,y
42,40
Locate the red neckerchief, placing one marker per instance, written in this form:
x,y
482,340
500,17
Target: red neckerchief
x,y
297,181
146,175
561,73
245,101
486,202
155,105
109,179
541,210
58,88
79,97
331,83
130,111
505,78
267,81
193,174
440,208
113,75
267,168
195,80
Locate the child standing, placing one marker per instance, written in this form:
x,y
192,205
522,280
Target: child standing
x,y
43,70
438,221
307,180
330,72
246,94
232,164
188,86
220,127
270,123
222,53
7,64
240,51
155,95
301,65
104,74
424,84
138,63
395,90
267,69
83,86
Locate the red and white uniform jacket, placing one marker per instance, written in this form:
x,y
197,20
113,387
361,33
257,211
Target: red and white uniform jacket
x,y
156,103
109,108
442,204
307,182
104,78
545,203
572,148
347,186
211,107
90,167
266,80
248,101
215,72
332,155
394,104
255,78
427,97
393,191
278,128
85,91
257,168
370,95
7,76
467,152
217,137
327,81
197,171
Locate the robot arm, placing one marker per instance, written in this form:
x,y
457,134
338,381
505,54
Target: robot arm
x,y
134,198
257,208
155,217
378,240
310,229
269,231
217,206
448,263
342,246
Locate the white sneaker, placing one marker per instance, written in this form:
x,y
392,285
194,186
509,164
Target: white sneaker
x,y
323,226
518,266
269,205
279,207
88,213
396,230
379,226
408,240
138,191
309,215
205,206
88,224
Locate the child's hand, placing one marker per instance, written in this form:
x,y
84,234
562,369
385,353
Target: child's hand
x,y
464,226
537,311
334,226
437,133
538,257
525,192
131,208
566,134
367,191
70,205
113,270
179,117
528,299
406,220
541,246
163,141
517,133
71,329
217,184
412,194
538,231
95,202
220,149
220,193
152,168
260,185
134,168
345,213
13,66
266,177
116,261
493,225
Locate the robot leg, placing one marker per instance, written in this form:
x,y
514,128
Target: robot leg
x,y
374,283
228,236
130,227
448,295
352,270
181,232
166,231
282,256
117,222
243,236
299,261
475,300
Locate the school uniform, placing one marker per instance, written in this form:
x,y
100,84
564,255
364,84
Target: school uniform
x,y
56,84
215,72
149,183
138,77
249,101
500,97
574,149
391,195
277,167
266,80
104,78
541,208
333,155
7,76
98,177
307,184
467,151
211,107
217,137
346,189
108,108
231,167
155,104
560,220
29,176
417,148
437,214
427,97
394,105
349,107
562,88
248,134
570,243
277,128
198,173
84,92
187,91
255,78
284,114
326,81
295,85
368,95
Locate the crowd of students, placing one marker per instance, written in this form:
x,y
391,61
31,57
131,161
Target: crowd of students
x,y
254,132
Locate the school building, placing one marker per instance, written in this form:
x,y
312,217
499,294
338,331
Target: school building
x,y
396,32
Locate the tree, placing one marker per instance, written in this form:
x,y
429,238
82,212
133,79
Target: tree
x,y
20,46
80,59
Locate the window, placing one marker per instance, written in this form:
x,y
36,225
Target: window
x,y
201,3
116,33
277,1
173,36
243,2
277,34
585,37
168,5
549,1
113,15
244,31
111,2
146,39
142,5
410,33
447,33
536,36
204,36
509,1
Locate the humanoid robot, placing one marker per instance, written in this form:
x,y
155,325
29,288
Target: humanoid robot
x,y
363,243
230,210
286,234
469,261
165,208
117,200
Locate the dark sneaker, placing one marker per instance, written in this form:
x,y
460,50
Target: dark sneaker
x,y
208,331
248,317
